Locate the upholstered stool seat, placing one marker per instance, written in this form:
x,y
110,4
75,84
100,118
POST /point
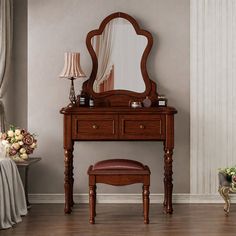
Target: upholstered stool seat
x,y
118,172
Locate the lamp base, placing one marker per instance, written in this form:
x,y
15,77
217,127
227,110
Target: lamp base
x,y
72,93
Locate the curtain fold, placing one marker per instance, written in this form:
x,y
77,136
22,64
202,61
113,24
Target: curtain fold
x,y
6,33
212,92
103,48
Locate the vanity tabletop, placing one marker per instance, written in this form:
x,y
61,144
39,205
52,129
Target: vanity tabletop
x,y
77,109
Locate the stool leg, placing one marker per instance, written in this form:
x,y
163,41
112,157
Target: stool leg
x,y
146,203
92,203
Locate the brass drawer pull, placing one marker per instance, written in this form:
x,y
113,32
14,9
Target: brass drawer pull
x,y
141,126
95,126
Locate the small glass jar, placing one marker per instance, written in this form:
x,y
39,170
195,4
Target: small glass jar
x,y
91,102
135,104
161,101
82,100
147,102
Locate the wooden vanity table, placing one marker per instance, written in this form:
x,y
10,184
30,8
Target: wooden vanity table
x,y
112,118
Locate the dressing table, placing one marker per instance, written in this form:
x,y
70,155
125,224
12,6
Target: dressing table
x,y
115,81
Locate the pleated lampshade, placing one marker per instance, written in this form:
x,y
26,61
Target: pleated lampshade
x,y
72,68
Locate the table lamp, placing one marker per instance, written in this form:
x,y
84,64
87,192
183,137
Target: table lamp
x,y
72,70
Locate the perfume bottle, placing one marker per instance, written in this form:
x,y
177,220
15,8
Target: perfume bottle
x,y
91,102
82,100
147,102
161,101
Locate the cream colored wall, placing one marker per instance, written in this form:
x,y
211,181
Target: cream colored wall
x,y
55,27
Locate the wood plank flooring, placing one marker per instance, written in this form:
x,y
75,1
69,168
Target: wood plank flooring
x,y
127,220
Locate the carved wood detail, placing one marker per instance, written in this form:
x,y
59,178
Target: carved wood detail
x,y
120,97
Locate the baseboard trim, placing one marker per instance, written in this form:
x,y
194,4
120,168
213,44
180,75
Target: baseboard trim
x,y
129,198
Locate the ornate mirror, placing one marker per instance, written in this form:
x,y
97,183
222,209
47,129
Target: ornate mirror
x,y
119,51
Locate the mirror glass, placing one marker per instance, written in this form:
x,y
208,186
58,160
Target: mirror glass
x,y
119,51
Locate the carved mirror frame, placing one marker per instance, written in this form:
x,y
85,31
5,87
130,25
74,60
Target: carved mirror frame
x,y
119,97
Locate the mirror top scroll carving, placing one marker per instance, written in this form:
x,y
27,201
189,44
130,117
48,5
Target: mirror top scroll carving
x,y
119,51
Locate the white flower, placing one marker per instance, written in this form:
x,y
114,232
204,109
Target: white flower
x,y
33,145
24,156
16,146
22,150
19,137
21,143
10,133
17,131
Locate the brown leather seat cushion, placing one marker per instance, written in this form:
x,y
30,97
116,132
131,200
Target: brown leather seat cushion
x,y
118,164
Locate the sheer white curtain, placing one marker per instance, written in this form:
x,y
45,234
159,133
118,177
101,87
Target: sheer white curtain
x,y
6,29
103,48
213,91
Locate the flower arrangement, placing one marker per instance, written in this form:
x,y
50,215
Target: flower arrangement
x,y
18,143
230,173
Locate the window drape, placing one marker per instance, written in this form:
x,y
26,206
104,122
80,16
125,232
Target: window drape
x,y
103,47
6,32
212,92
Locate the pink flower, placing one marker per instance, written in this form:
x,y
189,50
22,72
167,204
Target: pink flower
x,y
12,152
28,149
23,131
4,136
234,178
28,139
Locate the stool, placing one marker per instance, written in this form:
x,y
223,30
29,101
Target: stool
x,y
118,172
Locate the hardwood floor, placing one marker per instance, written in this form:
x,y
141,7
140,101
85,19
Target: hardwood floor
x,y
127,220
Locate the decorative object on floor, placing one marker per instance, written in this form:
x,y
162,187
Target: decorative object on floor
x,y
118,172
72,70
227,185
12,195
18,143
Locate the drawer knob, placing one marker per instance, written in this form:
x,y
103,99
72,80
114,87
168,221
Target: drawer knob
x,y
95,126
141,126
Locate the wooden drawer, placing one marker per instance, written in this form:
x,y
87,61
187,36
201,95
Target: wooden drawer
x,y
94,127
142,127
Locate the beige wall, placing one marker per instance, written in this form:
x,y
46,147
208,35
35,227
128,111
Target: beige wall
x,y
55,27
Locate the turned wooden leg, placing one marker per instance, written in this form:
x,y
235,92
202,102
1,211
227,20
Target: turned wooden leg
x,y
95,199
146,203
168,186
143,198
92,203
165,196
71,182
224,192
68,180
